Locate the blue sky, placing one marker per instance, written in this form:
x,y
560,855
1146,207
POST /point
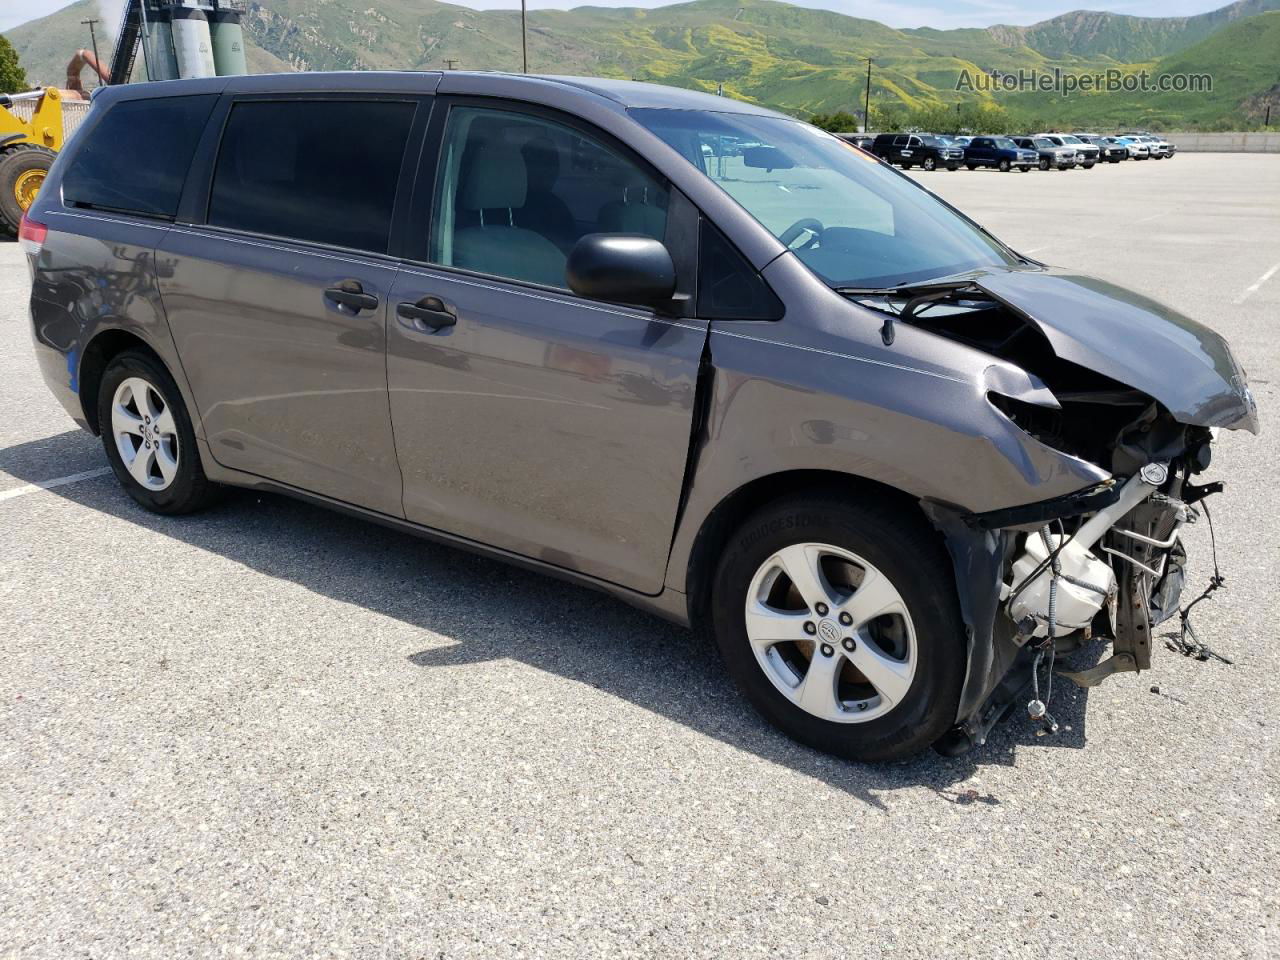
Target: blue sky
x,y
915,13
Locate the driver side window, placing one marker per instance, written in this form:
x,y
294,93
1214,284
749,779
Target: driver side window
x,y
515,192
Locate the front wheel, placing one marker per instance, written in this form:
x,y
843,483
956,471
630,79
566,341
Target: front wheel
x,y
971,166
928,163
1088,166
838,621
148,436
1005,166
1044,164
22,173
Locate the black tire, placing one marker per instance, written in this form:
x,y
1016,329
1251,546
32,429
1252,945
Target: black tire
x,y
16,161
190,489
971,166
1044,164
953,167
1024,168
909,552
1088,165
928,163
1005,166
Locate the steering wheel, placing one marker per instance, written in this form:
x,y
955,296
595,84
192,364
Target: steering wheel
x,y
792,233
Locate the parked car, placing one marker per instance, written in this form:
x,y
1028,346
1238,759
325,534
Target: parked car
x,y
1157,148
1137,149
960,141
862,141
1047,153
922,150
1108,152
778,392
1086,154
999,152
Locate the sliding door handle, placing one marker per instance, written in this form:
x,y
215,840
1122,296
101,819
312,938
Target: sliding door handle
x,y
350,294
429,312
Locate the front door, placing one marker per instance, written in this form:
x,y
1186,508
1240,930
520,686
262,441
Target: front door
x,y
527,417
278,303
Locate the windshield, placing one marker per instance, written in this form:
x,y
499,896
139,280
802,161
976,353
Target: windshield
x,y
850,219
1044,143
1070,140
1003,143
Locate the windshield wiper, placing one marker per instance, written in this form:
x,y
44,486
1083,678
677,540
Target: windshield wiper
x,y
933,291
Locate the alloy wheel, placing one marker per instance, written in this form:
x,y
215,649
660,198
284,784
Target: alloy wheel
x,y
145,433
831,632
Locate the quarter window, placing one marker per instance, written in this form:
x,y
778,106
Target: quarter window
x,y
321,171
516,192
135,160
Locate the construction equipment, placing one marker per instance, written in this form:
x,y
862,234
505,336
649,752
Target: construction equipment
x,y
178,38
33,127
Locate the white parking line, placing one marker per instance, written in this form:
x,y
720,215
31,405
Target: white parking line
x,y
56,482
1254,287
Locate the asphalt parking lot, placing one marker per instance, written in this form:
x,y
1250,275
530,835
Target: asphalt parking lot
x,y
268,730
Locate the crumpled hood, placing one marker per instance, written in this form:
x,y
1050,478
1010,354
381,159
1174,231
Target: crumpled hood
x,y
1136,341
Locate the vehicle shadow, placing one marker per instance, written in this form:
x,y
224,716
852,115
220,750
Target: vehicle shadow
x,y
584,636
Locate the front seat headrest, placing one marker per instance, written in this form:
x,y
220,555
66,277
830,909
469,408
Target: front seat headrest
x,y
497,179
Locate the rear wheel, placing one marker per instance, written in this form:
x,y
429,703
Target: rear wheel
x,y
971,166
148,436
22,172
839,622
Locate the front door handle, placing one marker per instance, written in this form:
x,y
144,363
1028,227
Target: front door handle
x,y
350,294
429,312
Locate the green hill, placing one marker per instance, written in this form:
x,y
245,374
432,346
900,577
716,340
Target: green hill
x,y
797,59
1125,39
1243,59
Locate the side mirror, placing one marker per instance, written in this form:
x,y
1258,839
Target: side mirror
x,y
621,268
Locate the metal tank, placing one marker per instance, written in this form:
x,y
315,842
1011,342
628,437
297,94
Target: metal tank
x,y
158,52
228,41
193,43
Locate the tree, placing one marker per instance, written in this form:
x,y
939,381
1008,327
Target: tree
x,y
839,122
12,77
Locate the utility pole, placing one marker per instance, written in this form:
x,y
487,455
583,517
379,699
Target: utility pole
x,y
866,104
93,40
1267,122
524,37
450,64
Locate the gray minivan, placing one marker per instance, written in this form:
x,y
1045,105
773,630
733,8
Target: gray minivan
x,y
694,353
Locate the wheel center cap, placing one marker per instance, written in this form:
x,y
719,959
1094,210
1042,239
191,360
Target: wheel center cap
x,y
828,631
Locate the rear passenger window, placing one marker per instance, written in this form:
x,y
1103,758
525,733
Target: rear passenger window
x,y
516,192
135,159
322,171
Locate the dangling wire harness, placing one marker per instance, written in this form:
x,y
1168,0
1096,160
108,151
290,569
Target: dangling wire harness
x,y
1185,640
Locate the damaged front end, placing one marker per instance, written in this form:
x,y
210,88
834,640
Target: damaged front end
x,y
1123,383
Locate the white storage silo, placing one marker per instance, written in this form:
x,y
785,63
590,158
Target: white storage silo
x,y
193,43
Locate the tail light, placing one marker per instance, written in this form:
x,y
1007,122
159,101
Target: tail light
x,y
31,235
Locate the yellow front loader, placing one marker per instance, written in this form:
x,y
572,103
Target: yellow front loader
x,y
32,129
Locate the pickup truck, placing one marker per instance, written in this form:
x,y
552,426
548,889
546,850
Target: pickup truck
x,y
999,152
